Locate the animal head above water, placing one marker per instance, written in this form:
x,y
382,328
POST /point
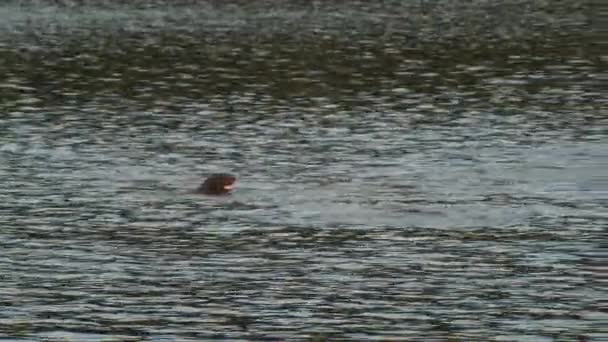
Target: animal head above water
x,y
217,184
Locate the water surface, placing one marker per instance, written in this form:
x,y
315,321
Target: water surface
x,y
420,171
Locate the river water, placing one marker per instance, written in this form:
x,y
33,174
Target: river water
x,y
417,171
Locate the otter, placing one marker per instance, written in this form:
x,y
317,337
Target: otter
x,y
217,184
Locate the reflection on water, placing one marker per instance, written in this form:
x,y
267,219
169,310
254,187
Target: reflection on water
x,y
422,169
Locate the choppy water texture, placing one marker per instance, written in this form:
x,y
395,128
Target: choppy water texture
x,y
416,171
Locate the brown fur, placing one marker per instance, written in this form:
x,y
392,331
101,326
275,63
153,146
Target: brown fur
x,y
216,183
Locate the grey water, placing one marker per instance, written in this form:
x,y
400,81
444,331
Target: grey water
x,y
407,171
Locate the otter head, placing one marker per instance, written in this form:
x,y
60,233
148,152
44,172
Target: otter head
x,y
217,184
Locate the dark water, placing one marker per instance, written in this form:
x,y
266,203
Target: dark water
x,y
418,171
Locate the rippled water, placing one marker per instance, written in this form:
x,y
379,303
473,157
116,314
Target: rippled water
x,y
428,171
